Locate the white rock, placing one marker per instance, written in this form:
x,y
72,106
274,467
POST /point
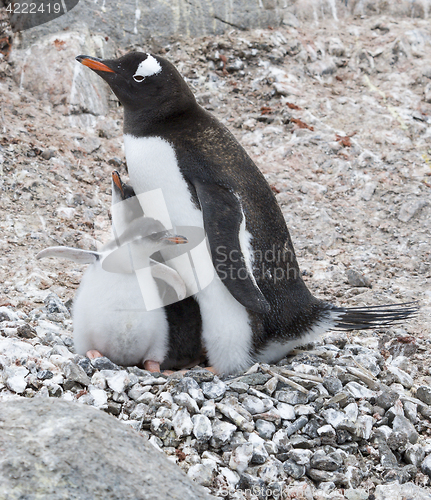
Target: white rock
x,y
117,380
99,395
201,473
231,476
286,411
401,376
241,457
182,423
202,427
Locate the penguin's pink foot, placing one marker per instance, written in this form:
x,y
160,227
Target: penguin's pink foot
x,y
211,369
93,354
152,366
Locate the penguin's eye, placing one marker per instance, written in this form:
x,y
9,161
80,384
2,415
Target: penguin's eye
x,y
154,236
138,78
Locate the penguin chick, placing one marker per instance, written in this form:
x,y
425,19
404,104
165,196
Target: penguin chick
x,y
110,312
258,307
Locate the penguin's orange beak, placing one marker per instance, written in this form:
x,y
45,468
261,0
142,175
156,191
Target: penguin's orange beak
x,y
93,63
117,181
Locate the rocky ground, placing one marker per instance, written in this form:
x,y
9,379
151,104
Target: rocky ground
x,y
338,118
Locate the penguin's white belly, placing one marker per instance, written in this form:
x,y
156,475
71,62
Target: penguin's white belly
x,y
152,164
109,316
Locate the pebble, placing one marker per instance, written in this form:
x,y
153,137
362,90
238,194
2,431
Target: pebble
x,y
265,429
424,394
402,424
241,457
222,433
215,389
202,429
182,423
202,474
118,381
75,373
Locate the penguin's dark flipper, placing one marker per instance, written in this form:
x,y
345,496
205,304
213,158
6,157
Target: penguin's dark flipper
x,y
223,216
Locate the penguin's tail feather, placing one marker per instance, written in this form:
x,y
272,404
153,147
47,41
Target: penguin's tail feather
x,y
364,318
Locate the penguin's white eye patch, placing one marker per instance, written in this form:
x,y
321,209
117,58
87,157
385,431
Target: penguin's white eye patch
x,y
149,67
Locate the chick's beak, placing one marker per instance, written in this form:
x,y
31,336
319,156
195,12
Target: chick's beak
x,y
176,239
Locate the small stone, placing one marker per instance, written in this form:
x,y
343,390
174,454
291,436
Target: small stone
x,y
357,279
326,431
387,458
53,304
426,466
397,440
424,394
241,457
182,423
403,424
200,375
202,474
26,331
333,385
238,387
255,405
286,411
85,364
281,440
161,427
214,389
74,373
104,363
45,375
239,420
401,376
294,469
300,456
260,455
291,397
359,391
304,410
271,385
248,482
184,399
202,429
190,386
208,409
364,426
323,475
114,409
386,399
222,433
411,411
117,381
137,391
322,461
47,154
354,493
414,454
265,429
255,379
16,380
297,425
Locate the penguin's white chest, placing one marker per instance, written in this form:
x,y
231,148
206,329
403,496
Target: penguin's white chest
x,y
153,165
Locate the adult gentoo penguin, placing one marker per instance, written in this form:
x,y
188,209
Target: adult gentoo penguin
x,y
110,310
258,307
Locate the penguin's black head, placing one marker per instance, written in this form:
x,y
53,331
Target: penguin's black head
x,y
144,83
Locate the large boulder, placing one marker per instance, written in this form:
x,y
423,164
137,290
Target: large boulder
x,y
55,450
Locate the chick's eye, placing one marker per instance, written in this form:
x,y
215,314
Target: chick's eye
x,y
138,78
154,236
